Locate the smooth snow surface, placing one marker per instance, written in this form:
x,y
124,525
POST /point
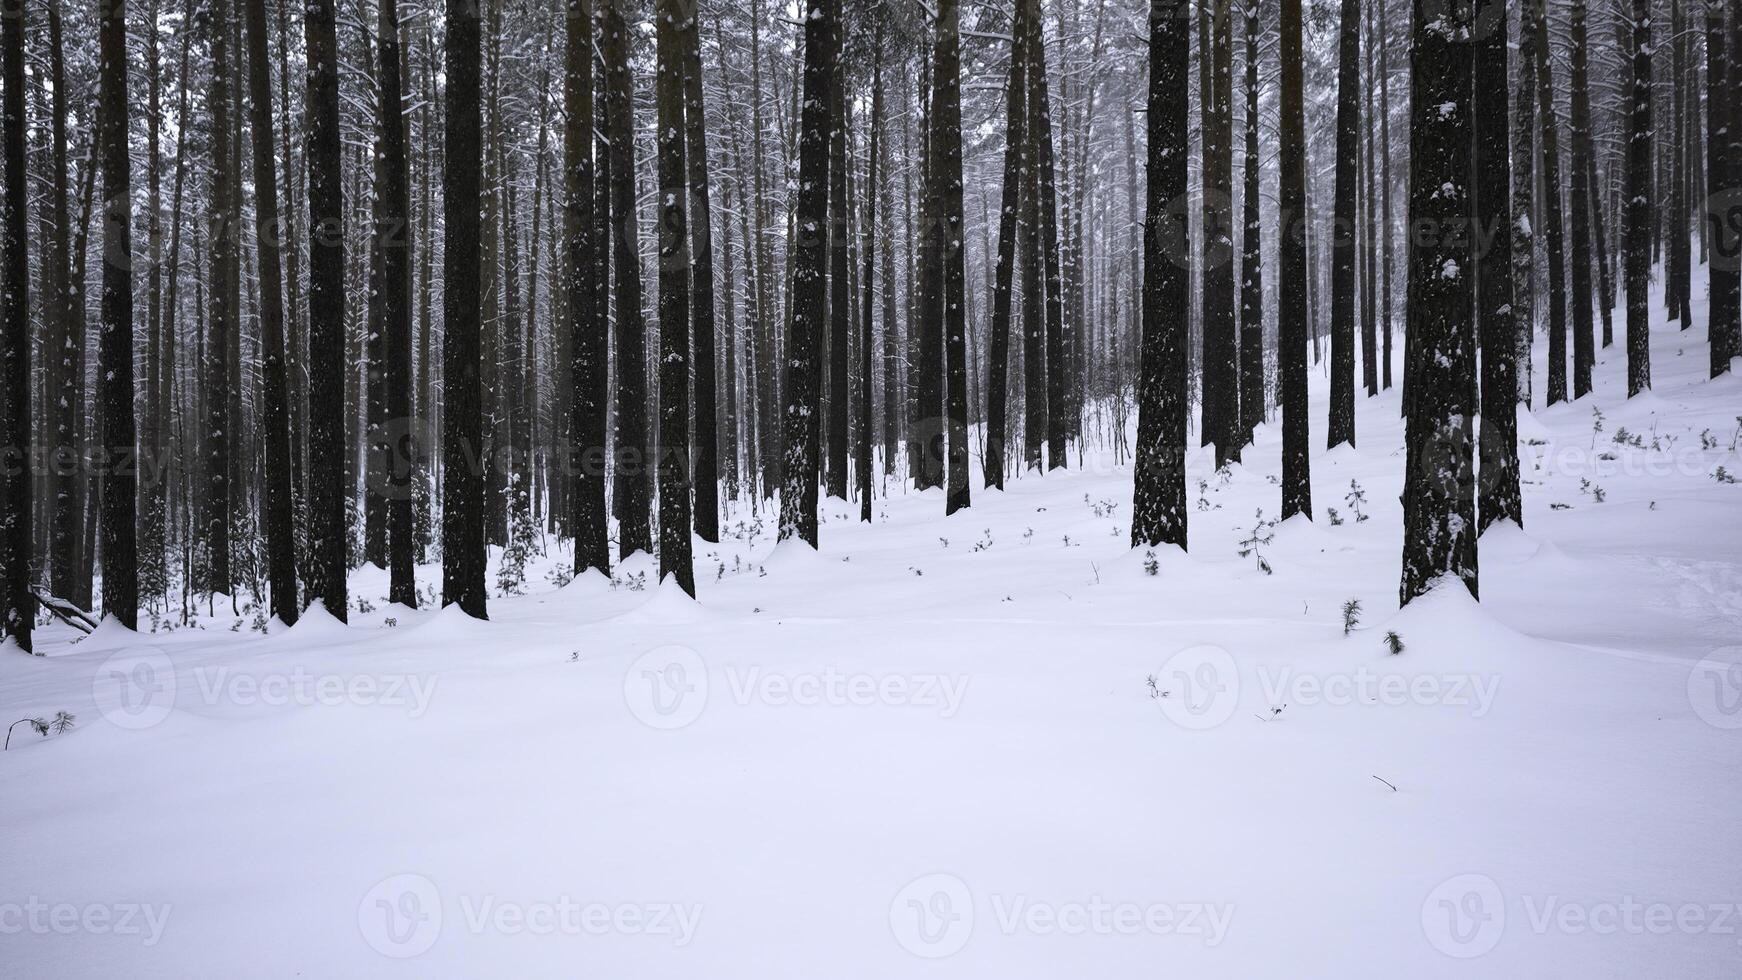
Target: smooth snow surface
x,y
934,749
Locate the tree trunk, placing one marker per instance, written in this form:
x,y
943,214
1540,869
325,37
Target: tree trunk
x,y
1723,205
463,550
1015,166
1342,418
674,300
1639,214
868,253
1496,310
1252,254
707,453
1439,532
1551,183
17,607
798,492
1584,343
1158,508
1291,318
633,450
589,341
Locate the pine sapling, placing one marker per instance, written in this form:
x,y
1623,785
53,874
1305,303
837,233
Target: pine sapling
x,y
1393,642
1256,539
1351,616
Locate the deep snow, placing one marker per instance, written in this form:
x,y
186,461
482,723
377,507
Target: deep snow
x,y
989,745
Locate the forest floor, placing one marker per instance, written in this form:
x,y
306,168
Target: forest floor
x,y
1002,743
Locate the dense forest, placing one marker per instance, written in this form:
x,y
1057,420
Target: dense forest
x,y
292,289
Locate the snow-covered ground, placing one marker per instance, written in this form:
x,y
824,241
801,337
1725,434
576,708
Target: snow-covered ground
x,y
999,744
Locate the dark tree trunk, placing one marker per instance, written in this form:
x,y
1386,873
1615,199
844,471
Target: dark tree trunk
x,y
1040,138
1551,206
1386,297
1291,318
1439,532
1158,508
1496,311
798,491
1584,341
634,454
393,241
1639,214
277,517
1342,417
17,607
463,550
1221,353
674,300
1605,273
588,517
64,340
153,573
707,454
1252,255
835,396
868,253
1723,194
120,550
1369,254
1523,201
224,327
326,470
1010,197
946,174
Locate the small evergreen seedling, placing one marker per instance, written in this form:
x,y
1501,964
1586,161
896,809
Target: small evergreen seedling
x,y
1351,616
1150,565
1256,539
1356,498
1393,643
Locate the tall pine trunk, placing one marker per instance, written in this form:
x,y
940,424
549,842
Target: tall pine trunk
x,y
1496,310
17,607
277,512
1291,318
1551,207
1723,195
589,342
1252,254
798,491
1584,342
1439,519
674,299
634,453
1158,508
946,175
463,549
393,240
1010,198
1342,418
1639,213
